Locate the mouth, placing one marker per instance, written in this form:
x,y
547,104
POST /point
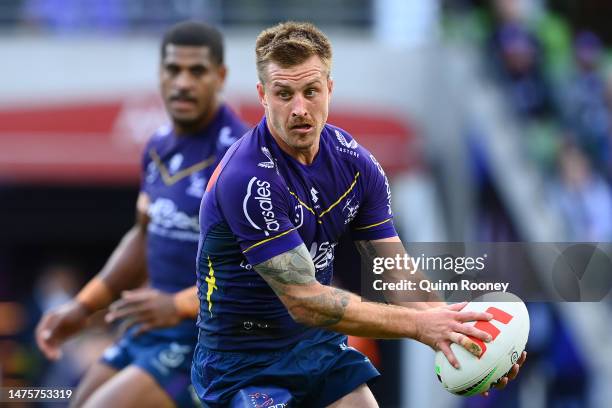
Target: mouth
x,y
301,128
181,102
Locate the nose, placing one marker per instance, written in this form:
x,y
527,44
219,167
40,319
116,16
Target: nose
x,y
299,106
183,80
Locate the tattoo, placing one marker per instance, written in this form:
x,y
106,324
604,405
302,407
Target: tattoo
x,y
323,310
295,268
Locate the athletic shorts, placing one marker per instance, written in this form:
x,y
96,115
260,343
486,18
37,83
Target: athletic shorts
x,y
167,361
313,373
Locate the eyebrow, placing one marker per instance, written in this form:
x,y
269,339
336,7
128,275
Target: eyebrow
x,y
282,85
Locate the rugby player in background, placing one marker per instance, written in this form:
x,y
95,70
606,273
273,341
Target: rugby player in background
x,y
270,324
150,364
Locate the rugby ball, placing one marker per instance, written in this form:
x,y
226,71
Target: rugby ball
x,y
509,329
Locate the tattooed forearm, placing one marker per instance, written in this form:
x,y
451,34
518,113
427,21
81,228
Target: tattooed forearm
x,y
322,310
323,306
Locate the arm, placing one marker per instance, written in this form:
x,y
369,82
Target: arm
x,y
125,269
292,277
417,299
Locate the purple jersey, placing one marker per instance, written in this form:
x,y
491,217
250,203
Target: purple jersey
x,y
175,172
260,203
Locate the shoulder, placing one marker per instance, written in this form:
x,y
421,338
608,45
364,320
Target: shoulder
x,y
347,148
248,159
157,139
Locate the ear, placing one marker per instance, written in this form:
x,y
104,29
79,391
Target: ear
x,y
330,86
222,72
261,93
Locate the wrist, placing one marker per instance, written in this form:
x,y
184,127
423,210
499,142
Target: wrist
x,y
94,296
186,304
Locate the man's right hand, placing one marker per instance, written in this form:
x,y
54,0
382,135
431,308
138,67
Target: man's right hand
x,y
440,326
57,325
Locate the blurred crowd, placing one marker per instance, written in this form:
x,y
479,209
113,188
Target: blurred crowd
x,y
558,85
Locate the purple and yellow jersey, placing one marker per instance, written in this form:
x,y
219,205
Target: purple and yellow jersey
x,y
259,203
175,173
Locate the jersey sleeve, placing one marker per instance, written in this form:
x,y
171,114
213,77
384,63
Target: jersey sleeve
x,y
256,208
374,219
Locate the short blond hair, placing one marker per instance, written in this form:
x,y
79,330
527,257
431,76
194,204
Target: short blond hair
x,y
289,44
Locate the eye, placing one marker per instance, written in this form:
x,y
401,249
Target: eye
x,y
198,70
310,92
284,94
172,69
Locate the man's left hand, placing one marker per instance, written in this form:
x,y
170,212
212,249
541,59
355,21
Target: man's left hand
x,y
502,382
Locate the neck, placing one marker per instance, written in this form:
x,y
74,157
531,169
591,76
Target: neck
x,y
304,155
181,129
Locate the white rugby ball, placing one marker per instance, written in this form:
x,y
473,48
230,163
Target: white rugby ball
x,y
509,329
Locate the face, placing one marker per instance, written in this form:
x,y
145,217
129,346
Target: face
x,y
190,82
296,101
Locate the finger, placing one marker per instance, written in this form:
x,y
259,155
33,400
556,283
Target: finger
x,y
131,311
137,294
450,356
513,372
501,383
145,327
521,360
472,316
470,330
466,343
457,306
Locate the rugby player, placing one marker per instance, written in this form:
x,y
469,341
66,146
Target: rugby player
x,y
272,330
150,364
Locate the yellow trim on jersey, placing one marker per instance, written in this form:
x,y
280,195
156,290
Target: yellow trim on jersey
x,y
267,240
341,197
170,180
373,225
211,280
301,202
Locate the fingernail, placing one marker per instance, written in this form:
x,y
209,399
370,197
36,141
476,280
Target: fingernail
x,y
489,339
456,365
46,334
489,316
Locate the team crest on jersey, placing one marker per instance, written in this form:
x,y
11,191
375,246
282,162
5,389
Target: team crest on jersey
x,y
349,211
267,164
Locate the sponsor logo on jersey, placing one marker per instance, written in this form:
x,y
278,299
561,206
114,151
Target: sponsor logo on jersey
x,y
262,400
322,255
349,145
387,186
173,356
267,164
258,191
313,195
346,147
168,221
